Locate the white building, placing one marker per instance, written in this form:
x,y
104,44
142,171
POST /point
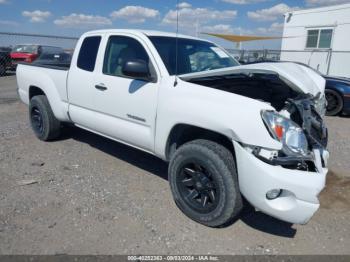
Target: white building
x,y
319,37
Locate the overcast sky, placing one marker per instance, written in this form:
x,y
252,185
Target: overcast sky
x,y
72,17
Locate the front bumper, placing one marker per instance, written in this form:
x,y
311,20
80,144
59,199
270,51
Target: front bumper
x,y
300,189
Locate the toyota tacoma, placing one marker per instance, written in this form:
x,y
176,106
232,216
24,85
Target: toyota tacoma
x,y
229,132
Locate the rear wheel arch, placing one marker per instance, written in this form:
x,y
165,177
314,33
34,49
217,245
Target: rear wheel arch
x,y
50,91
334,89
35,91
44,123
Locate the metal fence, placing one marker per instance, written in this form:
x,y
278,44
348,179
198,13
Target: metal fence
x,y
10,40
251,56
328,62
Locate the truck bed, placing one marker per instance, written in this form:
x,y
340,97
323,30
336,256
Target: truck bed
x,y
50,65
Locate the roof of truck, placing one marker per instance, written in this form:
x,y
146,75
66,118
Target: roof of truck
x,y
145,32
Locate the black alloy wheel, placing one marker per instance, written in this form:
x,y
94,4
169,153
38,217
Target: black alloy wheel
x,y
198,187
44,123
37,120
204,182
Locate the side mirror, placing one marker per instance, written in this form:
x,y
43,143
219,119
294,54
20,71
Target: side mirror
x,y
137,69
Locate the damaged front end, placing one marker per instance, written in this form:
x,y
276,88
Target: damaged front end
x,y
303,111
297,96
289,180
302,132
284,177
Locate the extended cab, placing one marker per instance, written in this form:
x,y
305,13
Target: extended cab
x,y
228,131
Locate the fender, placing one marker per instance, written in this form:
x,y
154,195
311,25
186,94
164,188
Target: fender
x,y
46,82
234,116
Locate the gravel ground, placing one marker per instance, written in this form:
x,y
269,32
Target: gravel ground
x,y
89,195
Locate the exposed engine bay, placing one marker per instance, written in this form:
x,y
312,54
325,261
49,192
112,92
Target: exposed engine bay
x,y
264,87
303,112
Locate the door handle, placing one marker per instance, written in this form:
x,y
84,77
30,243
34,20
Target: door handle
x,y
101,87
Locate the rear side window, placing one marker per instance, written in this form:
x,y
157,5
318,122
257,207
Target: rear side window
x,y
88,53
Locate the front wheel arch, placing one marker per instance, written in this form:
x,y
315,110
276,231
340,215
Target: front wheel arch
x,y
183,133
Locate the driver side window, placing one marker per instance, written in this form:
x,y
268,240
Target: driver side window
x,y
121,49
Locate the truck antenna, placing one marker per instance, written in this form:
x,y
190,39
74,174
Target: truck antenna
x,y
176,43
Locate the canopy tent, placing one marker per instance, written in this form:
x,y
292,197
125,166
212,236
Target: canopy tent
x,y
243,38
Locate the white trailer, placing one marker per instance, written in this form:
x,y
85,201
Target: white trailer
x,y
320,38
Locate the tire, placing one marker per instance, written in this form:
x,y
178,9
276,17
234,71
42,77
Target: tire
x,y
44,124
219,200
2,69
334,102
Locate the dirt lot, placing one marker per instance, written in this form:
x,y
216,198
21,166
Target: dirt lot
x,y
91,195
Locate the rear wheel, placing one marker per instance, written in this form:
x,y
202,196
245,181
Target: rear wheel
x,y
334,102
204,183
44,123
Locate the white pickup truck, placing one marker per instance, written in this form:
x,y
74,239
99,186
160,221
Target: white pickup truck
x,y
228,131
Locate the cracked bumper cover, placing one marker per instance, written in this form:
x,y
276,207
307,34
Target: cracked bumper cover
x,y
299,199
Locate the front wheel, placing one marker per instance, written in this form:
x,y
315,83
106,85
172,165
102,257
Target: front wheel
x,y
44,123
203,180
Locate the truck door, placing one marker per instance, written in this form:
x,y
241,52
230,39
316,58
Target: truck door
x,y
80,81
124,108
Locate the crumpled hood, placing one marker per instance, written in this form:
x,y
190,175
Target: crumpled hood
x,y
298,77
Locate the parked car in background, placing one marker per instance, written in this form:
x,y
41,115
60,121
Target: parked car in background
x,y
5,60
29,52
337,95
54,59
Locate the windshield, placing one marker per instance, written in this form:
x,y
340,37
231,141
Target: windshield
x,y
32,49
193,55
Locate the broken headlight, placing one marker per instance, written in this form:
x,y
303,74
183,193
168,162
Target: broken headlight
x,y
287,132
